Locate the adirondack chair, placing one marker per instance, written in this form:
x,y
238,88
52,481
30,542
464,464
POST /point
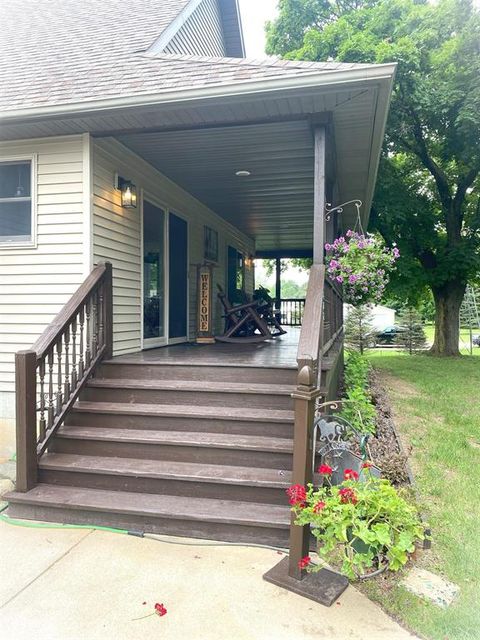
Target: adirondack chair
x,y
243,322
267,311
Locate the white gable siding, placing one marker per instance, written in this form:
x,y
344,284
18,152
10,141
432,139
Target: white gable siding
x,y
202,33
117,236
35,282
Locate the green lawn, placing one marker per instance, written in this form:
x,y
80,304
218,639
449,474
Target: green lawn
x,y
437,411
464,340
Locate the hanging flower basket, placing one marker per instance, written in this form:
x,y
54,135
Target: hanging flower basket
x,y
361,263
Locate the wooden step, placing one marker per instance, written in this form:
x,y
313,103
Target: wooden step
x,y
186,392
249,484
248,421
164,514
201,447
181,369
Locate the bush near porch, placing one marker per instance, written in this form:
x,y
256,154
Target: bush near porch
x,y
437,412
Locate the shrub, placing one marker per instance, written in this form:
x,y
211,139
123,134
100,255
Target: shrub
x,y
359,331
358,408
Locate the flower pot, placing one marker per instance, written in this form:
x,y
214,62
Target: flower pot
x,y
359,546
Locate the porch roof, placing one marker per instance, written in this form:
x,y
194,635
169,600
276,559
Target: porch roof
x,y
248,115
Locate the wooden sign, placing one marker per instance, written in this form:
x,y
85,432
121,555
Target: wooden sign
x,y
205,320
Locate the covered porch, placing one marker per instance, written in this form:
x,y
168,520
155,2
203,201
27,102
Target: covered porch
x,y
198,440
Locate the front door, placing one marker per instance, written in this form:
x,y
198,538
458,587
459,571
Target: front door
x,y
154,267
177,279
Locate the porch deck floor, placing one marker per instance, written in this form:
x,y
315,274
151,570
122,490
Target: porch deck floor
x,y
279,353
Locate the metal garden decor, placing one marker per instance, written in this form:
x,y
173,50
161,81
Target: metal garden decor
x,y
359,261
362,523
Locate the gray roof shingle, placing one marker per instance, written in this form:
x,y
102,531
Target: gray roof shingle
x,y
57,52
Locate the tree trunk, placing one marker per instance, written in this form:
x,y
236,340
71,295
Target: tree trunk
x,y
448,300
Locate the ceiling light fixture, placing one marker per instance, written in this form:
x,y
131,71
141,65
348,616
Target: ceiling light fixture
x,y
243,173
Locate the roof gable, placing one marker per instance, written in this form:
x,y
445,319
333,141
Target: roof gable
x,y
203,27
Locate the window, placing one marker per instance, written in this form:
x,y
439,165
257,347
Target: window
x,y
16,202
236,276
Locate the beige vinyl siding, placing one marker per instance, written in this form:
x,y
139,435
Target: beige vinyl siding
x,y
202,33
36,281
117,236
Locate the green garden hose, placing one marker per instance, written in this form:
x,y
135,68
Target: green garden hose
x,y
137,534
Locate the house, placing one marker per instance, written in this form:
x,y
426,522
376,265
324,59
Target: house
x,y
137,142
382,316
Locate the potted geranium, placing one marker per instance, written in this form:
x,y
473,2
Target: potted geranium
x,y
365,526
361,263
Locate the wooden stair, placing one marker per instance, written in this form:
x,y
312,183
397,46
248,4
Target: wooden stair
x,y
177,448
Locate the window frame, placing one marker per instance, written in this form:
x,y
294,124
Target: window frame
x,y
32,242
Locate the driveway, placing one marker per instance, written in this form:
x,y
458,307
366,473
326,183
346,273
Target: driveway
x,y
92,585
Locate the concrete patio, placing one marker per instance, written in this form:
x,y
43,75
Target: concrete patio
x,y
89,585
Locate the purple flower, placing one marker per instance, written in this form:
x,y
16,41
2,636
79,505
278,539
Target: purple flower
x,y
328,247
349,233
352,279
339,279
396,253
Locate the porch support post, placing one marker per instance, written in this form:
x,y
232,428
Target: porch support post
x,y
278,286
319,196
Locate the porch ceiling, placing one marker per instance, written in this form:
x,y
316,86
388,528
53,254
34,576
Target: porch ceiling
x,y
201,136
274,205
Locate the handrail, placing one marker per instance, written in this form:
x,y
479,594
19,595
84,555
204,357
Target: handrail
x,y
50,375
68,311
309,344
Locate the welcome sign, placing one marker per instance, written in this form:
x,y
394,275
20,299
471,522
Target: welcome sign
x,y
204,333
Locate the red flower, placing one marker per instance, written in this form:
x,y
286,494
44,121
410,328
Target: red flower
x,y
160,609
297,494
319,506
325,470
304,562
367,464
348,495
350,474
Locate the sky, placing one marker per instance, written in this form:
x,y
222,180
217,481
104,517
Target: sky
x,y
254,14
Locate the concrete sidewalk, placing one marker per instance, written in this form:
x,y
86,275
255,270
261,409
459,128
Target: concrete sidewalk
x,y
91,585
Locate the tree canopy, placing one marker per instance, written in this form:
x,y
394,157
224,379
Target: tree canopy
x,y
427,198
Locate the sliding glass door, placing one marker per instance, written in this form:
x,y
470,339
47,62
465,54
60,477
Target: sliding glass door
x,y
177,278
165,277
154,262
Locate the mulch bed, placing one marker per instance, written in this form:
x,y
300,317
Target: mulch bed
x,y
385,447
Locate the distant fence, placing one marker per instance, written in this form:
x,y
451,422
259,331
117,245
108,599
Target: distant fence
x,y
291,311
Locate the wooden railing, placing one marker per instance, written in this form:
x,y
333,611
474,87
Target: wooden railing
x,y
50,375
322,323
332,314
291,311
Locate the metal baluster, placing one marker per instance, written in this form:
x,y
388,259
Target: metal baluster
x,y
51,408
74,353
42,422
88,351
66,393
81,363
59,376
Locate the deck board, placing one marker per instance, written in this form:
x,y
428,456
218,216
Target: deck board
x,y
278,353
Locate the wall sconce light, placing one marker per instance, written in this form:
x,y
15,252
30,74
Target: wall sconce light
x,y
128,192
249,261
